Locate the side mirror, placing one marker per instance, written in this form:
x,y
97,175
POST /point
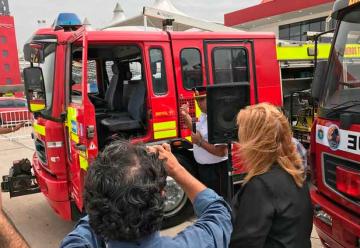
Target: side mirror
x,y
35,89
318,81
34,53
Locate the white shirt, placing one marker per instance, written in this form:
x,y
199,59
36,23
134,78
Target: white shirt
x,y
201,155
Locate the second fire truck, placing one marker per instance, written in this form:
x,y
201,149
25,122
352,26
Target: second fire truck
x,y
335,137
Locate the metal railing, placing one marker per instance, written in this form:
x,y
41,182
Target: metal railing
x,y
15,125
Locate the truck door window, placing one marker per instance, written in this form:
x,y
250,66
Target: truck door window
x,y
48,69
343,76
135,69
76,78
230,65
158,74
191,68
108,67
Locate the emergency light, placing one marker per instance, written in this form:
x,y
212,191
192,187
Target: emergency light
x,y
67,20
348,182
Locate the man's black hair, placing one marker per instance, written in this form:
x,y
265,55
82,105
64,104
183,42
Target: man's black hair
x,y
124,195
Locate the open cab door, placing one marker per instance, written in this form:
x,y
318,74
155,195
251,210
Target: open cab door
x,y
80,123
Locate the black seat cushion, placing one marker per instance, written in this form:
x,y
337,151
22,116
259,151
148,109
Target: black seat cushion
x,y
121,123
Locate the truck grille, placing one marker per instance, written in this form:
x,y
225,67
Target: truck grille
x,y
40,151
329,167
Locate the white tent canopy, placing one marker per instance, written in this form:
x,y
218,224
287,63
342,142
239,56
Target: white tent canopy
x,y
167,6
164,9
87,24
118,16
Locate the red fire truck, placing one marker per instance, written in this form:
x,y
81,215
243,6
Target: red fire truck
x,y
335,140
85,87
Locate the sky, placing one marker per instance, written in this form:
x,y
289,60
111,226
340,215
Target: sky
x,y
100,12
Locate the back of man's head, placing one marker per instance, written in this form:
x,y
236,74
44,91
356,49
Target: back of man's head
x,y
124,192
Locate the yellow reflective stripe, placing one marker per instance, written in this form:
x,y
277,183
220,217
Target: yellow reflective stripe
x,y
197,110
71,116
39,129
36,107
83,162
160,126
352,51
74,138
285,52
188,138
165,134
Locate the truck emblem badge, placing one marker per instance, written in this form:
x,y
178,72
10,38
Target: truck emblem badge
x,y
333,137
321,134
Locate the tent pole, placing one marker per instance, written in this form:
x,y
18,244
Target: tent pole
x,y
145,22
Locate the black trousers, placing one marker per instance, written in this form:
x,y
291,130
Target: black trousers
x,y
214,176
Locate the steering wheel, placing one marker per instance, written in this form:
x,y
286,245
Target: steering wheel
x,y
92,97
76,92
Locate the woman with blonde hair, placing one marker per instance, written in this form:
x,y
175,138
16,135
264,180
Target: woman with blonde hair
x,y
273,207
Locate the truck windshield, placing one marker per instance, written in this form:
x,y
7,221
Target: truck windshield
x,y
48,68
343,77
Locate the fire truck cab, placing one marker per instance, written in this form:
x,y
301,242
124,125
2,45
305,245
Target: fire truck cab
x,y
335,144
88,87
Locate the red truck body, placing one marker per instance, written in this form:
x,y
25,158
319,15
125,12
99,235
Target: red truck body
x,y
335,144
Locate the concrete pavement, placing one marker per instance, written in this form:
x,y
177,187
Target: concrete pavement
x,y
31,214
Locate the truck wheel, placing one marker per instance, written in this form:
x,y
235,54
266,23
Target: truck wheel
x,y
178,207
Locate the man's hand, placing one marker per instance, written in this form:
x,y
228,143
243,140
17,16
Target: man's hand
x,y
217,150
196,138
9,236
185,109
172,165
187,182
18,126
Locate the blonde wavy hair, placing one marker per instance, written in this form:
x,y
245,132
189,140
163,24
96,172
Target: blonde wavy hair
x,y
265,139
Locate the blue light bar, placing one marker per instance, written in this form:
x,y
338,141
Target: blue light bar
x,y
67,19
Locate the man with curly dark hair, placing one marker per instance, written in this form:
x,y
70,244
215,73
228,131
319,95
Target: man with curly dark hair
x,y
124,198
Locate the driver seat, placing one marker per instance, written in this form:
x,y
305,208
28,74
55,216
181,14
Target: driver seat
x,y
132,119
114,91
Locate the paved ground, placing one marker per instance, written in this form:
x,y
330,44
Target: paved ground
x,y
32,215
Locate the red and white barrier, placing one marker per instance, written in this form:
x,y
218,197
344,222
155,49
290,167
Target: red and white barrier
x,y
10,120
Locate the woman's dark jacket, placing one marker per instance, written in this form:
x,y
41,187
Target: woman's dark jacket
x,y
272,211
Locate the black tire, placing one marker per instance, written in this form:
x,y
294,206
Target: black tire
x,y
184,209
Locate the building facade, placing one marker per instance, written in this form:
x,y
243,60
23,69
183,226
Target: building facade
x,y
9,62
289,20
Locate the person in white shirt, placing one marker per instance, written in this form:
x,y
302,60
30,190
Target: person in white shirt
x,y
211,159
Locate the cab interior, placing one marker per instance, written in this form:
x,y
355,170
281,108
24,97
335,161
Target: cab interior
x,y
116,87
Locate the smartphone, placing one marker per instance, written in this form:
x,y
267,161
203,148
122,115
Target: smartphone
x,y
194,125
